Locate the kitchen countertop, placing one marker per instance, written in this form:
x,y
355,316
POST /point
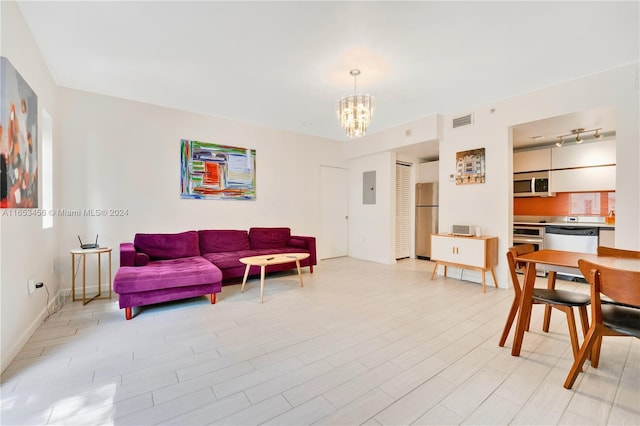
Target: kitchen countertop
x,y
577,221
575,224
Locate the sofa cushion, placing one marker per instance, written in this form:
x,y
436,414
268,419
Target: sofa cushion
x,y
298,243
168,246
218,241
264,238
232,259
168,273
141,259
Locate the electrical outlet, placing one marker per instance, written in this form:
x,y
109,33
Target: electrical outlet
x,y
31,285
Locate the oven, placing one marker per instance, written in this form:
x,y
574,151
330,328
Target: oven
x,y
530,235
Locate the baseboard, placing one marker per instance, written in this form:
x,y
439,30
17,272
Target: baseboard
x,y
54,304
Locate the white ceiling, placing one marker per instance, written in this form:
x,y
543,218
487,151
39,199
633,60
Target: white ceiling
x,y
285,64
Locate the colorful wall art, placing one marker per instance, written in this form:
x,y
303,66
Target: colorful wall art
x,y
18,140
470,166
217,172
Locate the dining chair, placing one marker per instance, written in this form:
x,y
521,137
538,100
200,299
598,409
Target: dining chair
x,y
614,252
562,300
608,319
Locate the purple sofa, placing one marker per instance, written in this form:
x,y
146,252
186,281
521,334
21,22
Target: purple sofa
x,y
158,268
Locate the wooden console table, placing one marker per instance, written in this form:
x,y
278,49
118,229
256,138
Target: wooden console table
x,y
475,253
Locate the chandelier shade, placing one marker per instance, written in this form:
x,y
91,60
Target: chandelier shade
x,y
354,112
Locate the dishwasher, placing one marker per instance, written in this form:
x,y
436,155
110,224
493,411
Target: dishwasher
x,y
580,239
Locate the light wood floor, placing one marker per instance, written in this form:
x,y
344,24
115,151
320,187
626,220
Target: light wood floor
x,y
361,343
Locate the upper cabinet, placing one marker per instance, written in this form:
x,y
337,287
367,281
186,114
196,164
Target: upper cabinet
x,y
532,161
584,155
428,172
584,167
584,179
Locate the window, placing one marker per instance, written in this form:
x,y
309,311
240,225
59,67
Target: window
x,y
47,170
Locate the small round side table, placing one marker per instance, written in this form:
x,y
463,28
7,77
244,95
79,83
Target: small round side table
x,y
84,252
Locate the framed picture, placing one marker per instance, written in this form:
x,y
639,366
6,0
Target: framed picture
x,y
470,166
18,140
217,172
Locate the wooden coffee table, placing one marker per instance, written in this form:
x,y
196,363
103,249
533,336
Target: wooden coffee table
x,y
270,259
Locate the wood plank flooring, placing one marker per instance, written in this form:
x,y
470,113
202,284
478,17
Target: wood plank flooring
x,y
361,343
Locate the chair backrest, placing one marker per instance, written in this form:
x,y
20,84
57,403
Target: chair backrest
x,y
610,251
514,266
620,285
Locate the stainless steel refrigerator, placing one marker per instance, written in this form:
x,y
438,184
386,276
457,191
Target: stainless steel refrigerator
x,y
426,217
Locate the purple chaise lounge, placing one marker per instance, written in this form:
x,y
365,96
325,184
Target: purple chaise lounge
x,y
158,268
163,267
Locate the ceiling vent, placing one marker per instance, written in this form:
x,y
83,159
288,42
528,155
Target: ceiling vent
x,y
463,120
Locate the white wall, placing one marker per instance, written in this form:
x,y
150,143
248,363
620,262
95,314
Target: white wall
x,y
26,249
422,130
120,154
372,226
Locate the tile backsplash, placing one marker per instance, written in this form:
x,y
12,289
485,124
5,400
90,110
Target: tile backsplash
x,y
566,204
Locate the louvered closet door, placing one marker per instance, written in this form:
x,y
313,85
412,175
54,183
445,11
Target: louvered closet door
x,y
403,211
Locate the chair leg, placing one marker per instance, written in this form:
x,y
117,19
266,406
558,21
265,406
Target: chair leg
x,y
547,318
573,333
584,319
213,298
510,318
127,313
529,319
590,339
595,352
551,285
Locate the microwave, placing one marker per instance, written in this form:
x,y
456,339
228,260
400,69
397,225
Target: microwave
x,y
535,184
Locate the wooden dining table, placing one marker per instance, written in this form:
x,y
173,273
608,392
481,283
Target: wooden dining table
x,y
556,261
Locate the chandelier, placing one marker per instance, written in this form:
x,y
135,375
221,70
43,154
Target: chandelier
x,y
355,111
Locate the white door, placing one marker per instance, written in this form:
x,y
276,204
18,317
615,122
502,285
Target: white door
x,y
334,198
403,211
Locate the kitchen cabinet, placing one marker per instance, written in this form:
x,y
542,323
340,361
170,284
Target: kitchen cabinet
x,y
607,237
532,161
590,179
475,253
590,154
428,172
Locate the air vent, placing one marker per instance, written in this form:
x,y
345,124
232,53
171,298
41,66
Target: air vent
x,y
464,120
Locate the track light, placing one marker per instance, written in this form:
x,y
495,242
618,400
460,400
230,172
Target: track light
x,y
576,133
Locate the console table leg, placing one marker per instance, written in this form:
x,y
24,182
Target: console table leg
x,y
435,269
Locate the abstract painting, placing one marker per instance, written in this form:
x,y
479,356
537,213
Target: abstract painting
x,y
217,172
18,140
470,166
